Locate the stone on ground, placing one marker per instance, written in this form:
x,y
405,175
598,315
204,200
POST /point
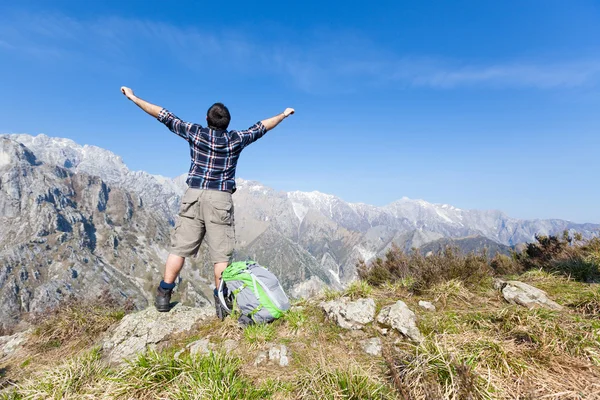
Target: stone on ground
x,y
426,305
350,314
372,346
525,295
400,317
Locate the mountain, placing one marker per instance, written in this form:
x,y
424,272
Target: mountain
x,y
467,245
75,219
65,233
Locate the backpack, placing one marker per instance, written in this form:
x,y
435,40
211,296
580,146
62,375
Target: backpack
x,y
255,290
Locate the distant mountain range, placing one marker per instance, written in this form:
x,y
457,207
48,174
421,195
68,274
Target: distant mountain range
x,y
75,219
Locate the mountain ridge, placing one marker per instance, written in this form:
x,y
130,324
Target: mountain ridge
x,y
301,236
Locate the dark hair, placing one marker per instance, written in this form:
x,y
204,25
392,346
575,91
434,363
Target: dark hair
x,y
218,116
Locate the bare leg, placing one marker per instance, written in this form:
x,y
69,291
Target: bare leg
x,y
173,267
219,268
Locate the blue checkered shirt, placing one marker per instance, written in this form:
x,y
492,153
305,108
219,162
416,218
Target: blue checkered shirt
x,y
214,153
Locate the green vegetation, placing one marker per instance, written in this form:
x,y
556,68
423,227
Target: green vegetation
x,y
476,345
77,323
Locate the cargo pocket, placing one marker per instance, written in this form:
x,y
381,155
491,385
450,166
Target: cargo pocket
x,y
222,213
188,207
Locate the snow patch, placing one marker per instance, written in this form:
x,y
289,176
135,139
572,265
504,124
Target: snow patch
x,y
300,210
336,275
444,216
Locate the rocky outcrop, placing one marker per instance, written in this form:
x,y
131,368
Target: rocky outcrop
x,y
146,329
399,317
350,314
516,292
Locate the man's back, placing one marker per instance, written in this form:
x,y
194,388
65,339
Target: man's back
x,y
214,152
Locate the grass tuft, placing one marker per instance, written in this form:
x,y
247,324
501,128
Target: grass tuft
x,y
259,334
341,383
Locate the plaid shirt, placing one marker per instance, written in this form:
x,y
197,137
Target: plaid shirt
x,y
214,153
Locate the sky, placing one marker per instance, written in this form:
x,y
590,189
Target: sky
x,y
479,104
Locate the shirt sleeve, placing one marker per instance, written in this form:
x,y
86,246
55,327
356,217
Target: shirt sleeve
x,y
252,134
175,124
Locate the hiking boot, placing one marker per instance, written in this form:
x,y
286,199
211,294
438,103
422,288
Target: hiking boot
x,y
163,299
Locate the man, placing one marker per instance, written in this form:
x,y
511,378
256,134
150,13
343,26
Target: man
x,y
206,207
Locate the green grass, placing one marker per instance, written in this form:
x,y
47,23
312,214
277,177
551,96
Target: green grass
x,y
69,380
259,334
295,319
214,376
349,383
358,289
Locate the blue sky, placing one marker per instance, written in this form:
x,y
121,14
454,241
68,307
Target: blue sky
x,y
478,104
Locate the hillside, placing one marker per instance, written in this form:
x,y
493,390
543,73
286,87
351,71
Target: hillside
x,y
75,219
485,339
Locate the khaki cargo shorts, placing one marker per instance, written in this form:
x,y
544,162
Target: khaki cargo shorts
x,y
205,213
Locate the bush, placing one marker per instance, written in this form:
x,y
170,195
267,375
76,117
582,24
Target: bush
x,y
505,265
577,259
426,271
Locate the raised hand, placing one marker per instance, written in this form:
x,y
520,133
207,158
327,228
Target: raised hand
x,y
127,92
288,112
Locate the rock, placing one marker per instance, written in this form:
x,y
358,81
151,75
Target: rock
x,y
145,329
426,305
350,314
401,318
178,354
274,353
283,359
262,357
202,347
372,346
230,345
520,293
279,354
498,283
11,344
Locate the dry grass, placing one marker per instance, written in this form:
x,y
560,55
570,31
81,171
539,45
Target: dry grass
x,y
476,347
76,323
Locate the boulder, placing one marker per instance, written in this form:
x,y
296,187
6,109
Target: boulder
x,y
400,317
372,346
350,314
520,293
426,305
146,329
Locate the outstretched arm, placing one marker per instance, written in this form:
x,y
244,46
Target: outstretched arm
x,y
174,124
272,122
143,104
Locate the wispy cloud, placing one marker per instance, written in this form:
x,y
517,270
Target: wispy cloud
x,y
320,66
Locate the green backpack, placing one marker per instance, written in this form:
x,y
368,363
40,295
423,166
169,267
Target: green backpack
x,y
254,290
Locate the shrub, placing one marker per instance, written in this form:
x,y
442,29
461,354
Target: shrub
x,y
426,271
579,260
